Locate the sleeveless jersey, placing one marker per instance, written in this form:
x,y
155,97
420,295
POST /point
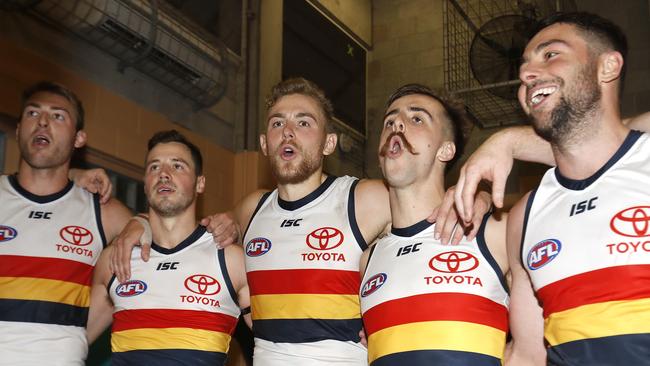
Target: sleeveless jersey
x,y
48,248
179,308
586,247
425,303
302,262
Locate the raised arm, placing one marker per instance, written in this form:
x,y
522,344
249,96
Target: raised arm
x,y
525,315
94,181
100,314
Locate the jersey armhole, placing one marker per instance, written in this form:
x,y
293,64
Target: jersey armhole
x,y
221,255
98,217
352,217
485,250
529,205
263,199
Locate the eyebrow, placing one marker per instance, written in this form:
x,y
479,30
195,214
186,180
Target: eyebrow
x,y
36,105
411,109
173,160
299,115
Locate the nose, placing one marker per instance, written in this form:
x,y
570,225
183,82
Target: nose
x,y
164,173
43,120
288,132
528,72
398,124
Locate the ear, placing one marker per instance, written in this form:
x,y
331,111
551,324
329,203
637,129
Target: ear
x,y
610,66
330,143
200,184
80,139
263,144
446,151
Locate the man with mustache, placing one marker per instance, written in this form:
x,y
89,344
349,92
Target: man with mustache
x,y
183,304
51,235
425,303
572,238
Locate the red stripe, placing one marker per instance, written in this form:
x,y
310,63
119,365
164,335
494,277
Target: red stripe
x,y
438,306
171,318
47,268
608,284
304,281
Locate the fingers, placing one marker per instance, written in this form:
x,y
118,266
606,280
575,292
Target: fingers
x,y
434,215
458,194
145,253
457,236
446,216
225,231
467,196
106,192
498,189
363,340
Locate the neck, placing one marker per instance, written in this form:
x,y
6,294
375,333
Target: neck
x,y
42,182
416,201
294,192
168,232
582,155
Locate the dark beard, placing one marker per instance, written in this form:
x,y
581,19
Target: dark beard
x,y
568,116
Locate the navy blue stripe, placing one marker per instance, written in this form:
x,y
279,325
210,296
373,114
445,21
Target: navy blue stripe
x,y
436,358
631,349
168,357
257,208
482,246
294,205
46,312
529,206
98,218
412,230
372,250
191,239
307,330
13,180
224,271
580,184
352,215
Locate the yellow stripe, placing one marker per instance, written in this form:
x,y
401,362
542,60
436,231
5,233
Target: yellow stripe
x,y
598,320
305,306
25,288
437,335
170,338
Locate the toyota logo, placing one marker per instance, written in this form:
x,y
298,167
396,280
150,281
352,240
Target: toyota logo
x,y
453,262
76,235
202,284
325,238
633,222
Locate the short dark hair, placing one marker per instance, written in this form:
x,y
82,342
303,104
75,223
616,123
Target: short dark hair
x,y
164,137
601,34
305,87
454,112
58,89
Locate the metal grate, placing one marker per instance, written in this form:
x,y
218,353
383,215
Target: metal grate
x,y
150,36
462,19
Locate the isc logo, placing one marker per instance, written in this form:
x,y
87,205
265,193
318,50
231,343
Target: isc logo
x,y
543,253
258,246
373,284
131,288
7,233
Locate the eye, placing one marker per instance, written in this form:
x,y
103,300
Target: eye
x,y
417,120
153,167
59,116
550,54
303,123
178,166
276,123
31,113
389,123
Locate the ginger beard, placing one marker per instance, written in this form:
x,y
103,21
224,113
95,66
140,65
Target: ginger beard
x,y
290,172
576,103
169,205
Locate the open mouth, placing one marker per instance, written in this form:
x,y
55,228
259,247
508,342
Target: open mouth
x,y
396,146
164,189
287,152
41,140
537,96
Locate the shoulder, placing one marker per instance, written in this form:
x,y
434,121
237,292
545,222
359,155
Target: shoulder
x,y
246,207
114,215
235,265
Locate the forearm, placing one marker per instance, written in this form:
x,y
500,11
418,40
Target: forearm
x,y
524,144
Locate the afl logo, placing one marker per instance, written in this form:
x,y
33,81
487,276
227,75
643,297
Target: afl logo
x,y
258,246
373,284
633,222
131,288
325,238
543,253
453,261
202,284
76,235
7,233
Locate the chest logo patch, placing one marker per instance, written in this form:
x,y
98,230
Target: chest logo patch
x,y
632,222
258,246
7,233
202,284
543,253
373,284
324,238
454,261
76,235
130,288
